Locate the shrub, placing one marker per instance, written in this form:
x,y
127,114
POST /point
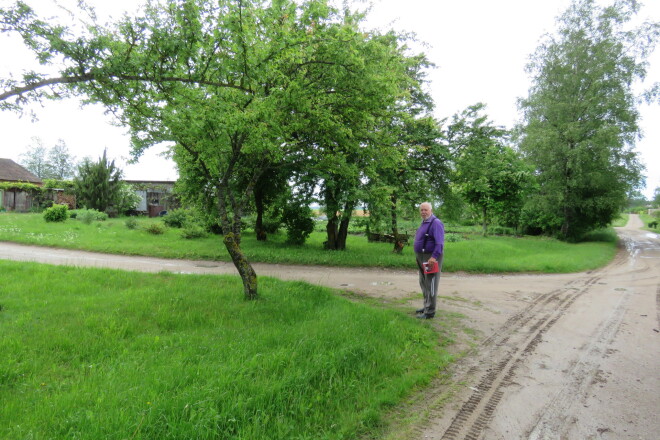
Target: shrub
x,y
56,213
155,228
193,230
131,223
298,222
87,216
177,218
451,237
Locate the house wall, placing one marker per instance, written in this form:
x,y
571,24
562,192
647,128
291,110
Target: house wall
x,y
19,201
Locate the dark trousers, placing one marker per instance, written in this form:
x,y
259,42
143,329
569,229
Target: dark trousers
x,y
428,282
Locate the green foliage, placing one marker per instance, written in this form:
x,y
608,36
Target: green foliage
x,y
21,186
66,185
177,218
193,230
56,213
127,199
490,175
119,355
581,119
131,223
155,228
239,88
97,184
298,222
87,216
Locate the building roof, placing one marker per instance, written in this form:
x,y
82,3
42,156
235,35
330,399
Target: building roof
x,y
10,171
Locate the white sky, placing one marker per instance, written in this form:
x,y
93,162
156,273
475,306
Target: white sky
x,y
480,48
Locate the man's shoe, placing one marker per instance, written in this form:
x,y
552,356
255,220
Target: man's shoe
x,y
424,316
418,311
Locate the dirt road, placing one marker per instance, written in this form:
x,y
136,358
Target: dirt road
x,y
571,356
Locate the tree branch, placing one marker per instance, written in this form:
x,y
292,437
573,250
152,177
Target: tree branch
x,y
90,77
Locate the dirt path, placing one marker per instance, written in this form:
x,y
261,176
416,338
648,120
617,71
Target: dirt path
x,y
571,356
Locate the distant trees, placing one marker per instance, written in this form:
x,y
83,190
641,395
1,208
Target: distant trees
x,y
53,163
581,120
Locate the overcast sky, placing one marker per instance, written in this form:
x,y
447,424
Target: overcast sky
x,y
480,48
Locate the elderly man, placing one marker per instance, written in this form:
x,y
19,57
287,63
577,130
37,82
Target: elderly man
x,y
429,249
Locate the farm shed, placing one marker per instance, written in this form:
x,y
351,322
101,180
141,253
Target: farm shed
x,y
13,193
155,196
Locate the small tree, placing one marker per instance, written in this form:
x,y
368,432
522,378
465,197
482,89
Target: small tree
x,y
490,175
97,184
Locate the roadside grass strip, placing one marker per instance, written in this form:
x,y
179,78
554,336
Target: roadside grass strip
x,y
105,354
473,253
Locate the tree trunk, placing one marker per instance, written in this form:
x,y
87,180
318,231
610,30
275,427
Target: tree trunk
x,y
332,232
484,225
259,223
245,270
398,243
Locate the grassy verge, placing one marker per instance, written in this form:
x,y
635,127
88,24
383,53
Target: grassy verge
x,y
472,253
121,355
648,219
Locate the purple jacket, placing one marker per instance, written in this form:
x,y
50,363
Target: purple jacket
x,y
436,240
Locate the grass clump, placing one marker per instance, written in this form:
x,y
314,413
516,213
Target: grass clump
x,y
87,216
131,223
155,228
120,355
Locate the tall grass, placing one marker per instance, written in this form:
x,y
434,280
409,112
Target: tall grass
x,y
471,254
121,355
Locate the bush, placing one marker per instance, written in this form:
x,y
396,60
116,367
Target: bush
x,y
450,237
177,218
56,213
298,222
193,230
131,223
155,228
87,216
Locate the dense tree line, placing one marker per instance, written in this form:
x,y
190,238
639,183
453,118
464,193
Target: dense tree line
x,y
269,104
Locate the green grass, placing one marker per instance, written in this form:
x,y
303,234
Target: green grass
x,y
123,355
495,254
648,219
621,221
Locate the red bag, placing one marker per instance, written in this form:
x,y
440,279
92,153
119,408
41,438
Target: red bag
x,y
430,267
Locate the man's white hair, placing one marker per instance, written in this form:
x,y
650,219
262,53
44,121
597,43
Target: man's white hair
x,y
426,203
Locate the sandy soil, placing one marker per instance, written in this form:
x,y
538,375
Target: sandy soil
x,y
566,357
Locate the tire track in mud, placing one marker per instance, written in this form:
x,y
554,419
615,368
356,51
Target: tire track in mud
x,y
504,351
556,415
500,355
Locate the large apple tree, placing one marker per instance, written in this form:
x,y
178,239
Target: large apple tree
x,y
236,87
